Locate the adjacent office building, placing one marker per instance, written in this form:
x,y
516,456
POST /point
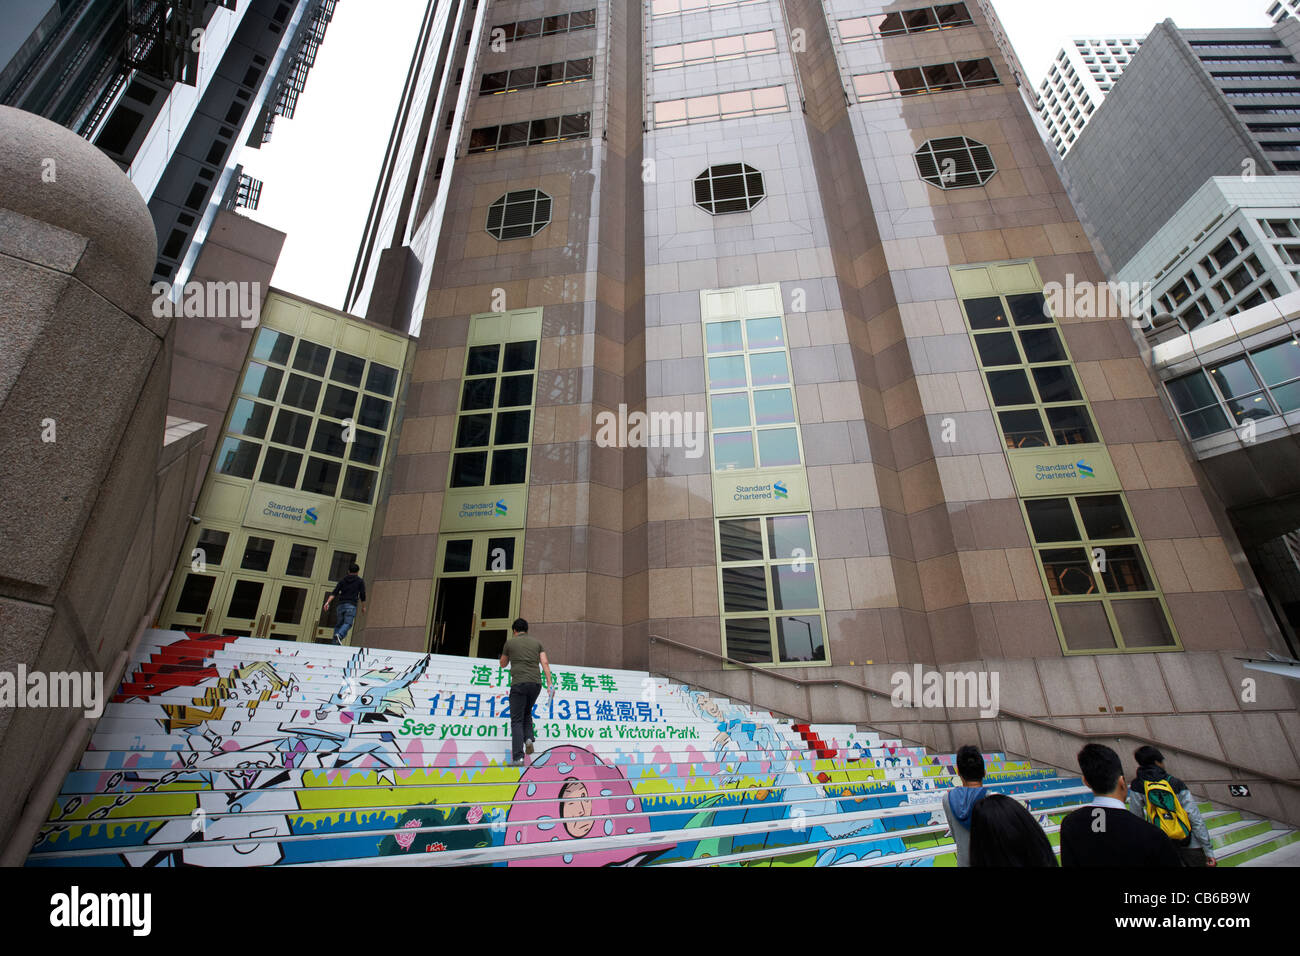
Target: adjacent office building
x,y
1082,74
167,90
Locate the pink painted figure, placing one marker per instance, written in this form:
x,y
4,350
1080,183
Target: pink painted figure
x,y
563,785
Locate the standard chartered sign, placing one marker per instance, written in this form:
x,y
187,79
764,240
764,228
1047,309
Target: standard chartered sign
x,y
278,510
1073,470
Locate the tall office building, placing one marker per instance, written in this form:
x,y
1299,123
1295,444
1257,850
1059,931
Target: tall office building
x,y
732,339
1080,77
168,91
1283,9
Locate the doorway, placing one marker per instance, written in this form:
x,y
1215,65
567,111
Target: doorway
x,y
476,595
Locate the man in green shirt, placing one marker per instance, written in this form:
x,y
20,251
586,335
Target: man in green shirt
x,y
522,654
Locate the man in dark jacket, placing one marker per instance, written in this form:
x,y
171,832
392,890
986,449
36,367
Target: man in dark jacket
x,y
1199,850
350,589
1106,833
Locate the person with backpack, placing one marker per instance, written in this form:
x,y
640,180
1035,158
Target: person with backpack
x,y
1165,801
959,802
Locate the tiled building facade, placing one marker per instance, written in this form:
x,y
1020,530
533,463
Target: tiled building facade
x,y
816,230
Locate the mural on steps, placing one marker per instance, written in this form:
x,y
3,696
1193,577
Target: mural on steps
x,y
224,752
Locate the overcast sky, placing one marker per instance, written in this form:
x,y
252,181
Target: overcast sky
x,y
320,167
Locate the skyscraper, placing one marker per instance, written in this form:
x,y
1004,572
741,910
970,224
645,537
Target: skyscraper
x,y
1080,77
168,91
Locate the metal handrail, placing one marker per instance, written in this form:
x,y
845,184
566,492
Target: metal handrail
x,y
1249,773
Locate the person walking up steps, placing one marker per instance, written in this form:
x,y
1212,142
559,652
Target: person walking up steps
x,y
523,655
350,589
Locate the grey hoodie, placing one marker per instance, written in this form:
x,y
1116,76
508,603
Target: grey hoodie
x,y
958,803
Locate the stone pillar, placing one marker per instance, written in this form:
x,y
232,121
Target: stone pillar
x,y
84,368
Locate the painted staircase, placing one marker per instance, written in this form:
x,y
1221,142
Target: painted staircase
x,y
221,751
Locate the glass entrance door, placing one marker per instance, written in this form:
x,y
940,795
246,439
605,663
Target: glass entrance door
x,y
476,595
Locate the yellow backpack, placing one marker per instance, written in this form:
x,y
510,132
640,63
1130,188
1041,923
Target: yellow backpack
x,y
1164,810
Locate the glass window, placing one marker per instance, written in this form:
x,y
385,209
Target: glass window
x,y
1069,571
1104,517
765,333
769,368
213,545
513,428
1084,626
474,431
367,447
311,358
195,594
1071,425
1023,429
1056,384
740,540
457,556
1042,345
257,554
731,410
249,418
237,458
799,639
281,467
515,390
321,476
723,337
733,450
772,406
727,372
482,360
302,392
374,413
469,469
749,640
478,393
339,402
986,313
302,558
520,357
787,536
1010,388
744,588
291,429
777,447
272,346
262,381
339,564
329,439
347,369
500,554
1278,364
509,466
1029,309
1051,520
381,379
794,586
359,485
997,348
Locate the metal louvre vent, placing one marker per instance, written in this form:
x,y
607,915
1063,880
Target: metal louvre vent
x,y
733,187
955,162
519,215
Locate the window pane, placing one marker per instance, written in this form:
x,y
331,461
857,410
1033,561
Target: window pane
x,y
262,381
731,410
749,640
509,466
1250,407
778,446
195,594
290,605
1142,623
213,545
291,429
1029,309
238,458
727,372
723,336
474,431
765,333
302,558
1010,388
512,428
1122,568
740,540
374,413
997,348
482,360
329,439
1287,397
1042,345
1191,392
257,554
1023,429
339,402
1084,626
773,406
281,467
347,369
744,589
1056,384
733,451
1235,378
1051,519
367,447
478,393
800,639
458,555
1069,571
769,368
1211,420
273,346
794,587
311,358
1104,517
321,476
500,554
985,313
1279,363
1070,425
302,392
245,598
521,357
788,535
249,418
516,390
469,470
359,485
340,563
381,379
